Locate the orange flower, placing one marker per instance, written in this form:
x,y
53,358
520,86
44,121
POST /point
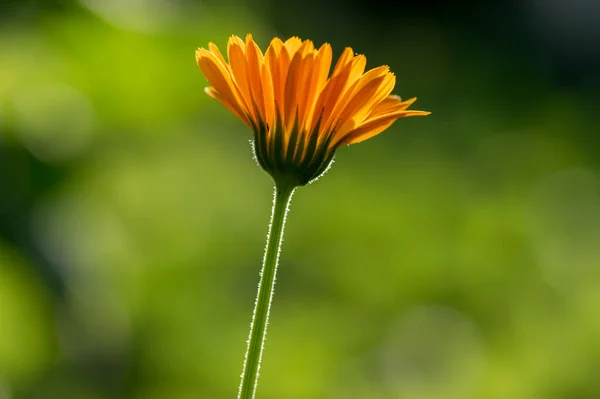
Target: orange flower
x,y
299,114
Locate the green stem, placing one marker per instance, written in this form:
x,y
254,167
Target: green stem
x,y
262,307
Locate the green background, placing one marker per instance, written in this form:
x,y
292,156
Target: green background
x,y
454,256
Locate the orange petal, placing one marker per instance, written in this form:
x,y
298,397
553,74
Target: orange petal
x,y
303,87
254,59
318,79
374,126
334,90
275,45
267,89
218,76
292,45
223,100
236,51
358,68
363,102
390,104
215,50
277,59
366,78
356,87
344,59
296,81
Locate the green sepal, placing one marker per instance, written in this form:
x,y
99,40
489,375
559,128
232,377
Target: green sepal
x,y
305,157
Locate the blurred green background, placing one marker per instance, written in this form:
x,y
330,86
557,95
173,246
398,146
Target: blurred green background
x,y
454,256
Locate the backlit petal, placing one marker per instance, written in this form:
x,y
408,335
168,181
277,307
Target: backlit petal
x,y
377,125
236,52
254,60
218,76
235,110
317,82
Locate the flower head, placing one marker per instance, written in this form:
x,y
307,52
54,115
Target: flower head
x,y
299,113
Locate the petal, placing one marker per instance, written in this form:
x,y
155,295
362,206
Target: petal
x,y
374,126
277,59
366,78
236,52
254,59
214,94
391,103
267,89
334,91
358,68
218,76
215,50
296,81
292,45
344,59
364,100
275,45
317,82
351,91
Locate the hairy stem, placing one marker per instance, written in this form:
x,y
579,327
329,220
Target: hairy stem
x,y
262,307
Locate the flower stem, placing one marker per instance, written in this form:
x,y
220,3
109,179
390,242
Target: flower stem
x,y
262,307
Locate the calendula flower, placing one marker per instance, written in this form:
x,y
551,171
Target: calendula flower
x,y
299,113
